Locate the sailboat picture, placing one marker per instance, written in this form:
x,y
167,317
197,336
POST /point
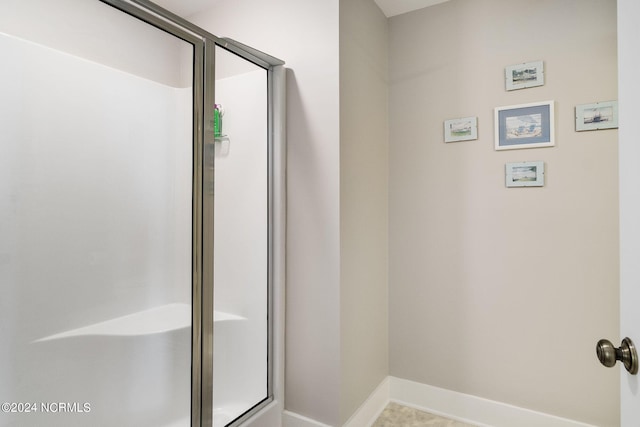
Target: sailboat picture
x,y
522,76
601,115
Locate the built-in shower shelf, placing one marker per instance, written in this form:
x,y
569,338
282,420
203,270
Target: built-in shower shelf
x,y
164,318
219,316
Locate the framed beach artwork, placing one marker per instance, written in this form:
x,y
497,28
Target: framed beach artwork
x,y
522,76
601,115
464,129
525,174
524,126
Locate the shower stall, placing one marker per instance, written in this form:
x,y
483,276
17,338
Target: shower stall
x,y
141,219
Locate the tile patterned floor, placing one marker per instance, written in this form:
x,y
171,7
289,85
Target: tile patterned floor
x,y
395,415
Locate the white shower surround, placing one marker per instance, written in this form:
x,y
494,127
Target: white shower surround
x,y
130,309
92,237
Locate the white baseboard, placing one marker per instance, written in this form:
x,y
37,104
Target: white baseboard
x,y
471,409
291,419
450,404
371,409
366,414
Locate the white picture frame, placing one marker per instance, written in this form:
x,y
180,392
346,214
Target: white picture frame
x,y
463,129
524,174
597,116
525,75
524,126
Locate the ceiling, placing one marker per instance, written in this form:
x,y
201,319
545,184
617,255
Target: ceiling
x,y
389,7
396,7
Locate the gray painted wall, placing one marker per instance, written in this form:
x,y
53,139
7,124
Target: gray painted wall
x,y
502,292
363,201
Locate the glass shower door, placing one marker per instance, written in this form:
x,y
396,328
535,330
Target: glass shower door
x,y
242,239
96,155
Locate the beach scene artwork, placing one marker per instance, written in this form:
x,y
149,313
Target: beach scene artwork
x,y
526,126
525,174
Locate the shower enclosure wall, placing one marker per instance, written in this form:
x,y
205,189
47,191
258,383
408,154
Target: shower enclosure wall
x,y
140,255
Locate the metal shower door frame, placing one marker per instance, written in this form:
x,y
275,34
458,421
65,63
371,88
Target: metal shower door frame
x,y
204,44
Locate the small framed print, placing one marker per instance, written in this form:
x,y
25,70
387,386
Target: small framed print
x,y
465,129
525,174
522,76
524,126
601,115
